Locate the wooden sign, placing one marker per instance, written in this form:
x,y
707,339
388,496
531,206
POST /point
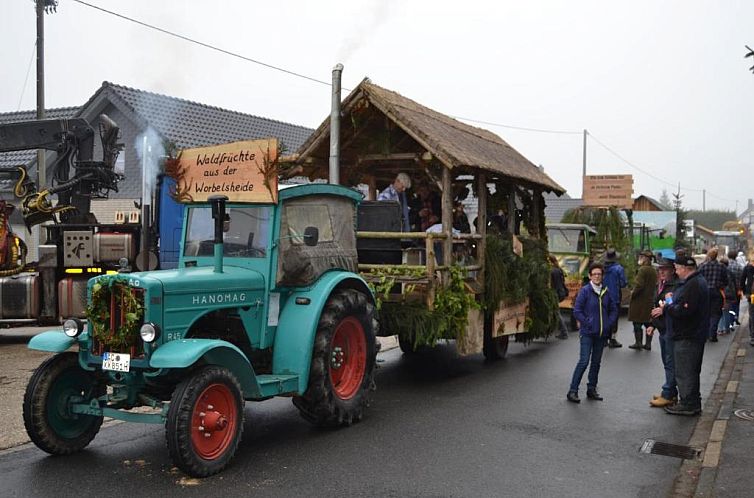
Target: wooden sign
x,y
510,319
608,191
242,171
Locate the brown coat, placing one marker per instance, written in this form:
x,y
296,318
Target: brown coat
x,y
643,294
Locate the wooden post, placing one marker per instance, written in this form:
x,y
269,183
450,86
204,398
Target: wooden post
x,y
536,209
481,223
372,183
511,209
447,217
429,248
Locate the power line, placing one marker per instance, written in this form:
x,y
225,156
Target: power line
x,y
327,83
26,80
523,128
205,45
674,185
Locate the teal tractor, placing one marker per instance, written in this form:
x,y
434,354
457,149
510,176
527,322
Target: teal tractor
x,y
265,302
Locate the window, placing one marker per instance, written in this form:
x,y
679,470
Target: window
x,y
246,232
311,215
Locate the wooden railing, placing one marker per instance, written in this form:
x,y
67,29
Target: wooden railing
x,y
434,273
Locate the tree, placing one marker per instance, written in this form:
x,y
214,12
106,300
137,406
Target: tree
x,y
680,217
665,200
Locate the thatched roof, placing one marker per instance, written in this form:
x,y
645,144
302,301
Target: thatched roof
x,y
451,142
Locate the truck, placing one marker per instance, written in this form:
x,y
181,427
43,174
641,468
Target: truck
x,y
571,244
77,246
265,302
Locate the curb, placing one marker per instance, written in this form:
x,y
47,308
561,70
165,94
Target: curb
x,y
697,477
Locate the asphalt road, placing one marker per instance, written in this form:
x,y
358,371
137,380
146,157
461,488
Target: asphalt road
x,y
440,425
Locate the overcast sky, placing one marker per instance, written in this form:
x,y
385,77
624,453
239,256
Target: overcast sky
x,y
663,84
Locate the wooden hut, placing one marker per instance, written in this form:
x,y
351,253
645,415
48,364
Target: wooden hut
x,y
383,133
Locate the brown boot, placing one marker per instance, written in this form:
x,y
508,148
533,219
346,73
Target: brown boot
x,y
661,402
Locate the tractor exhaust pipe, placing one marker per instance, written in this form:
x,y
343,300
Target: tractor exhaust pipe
x,y
218,214
335,125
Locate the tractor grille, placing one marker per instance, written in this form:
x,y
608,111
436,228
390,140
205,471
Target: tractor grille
x,y
116,333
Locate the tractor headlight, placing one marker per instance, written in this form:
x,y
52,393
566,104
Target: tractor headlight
x,y
149,332
73,327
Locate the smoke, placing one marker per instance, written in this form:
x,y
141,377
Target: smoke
x,y
374,14
150,150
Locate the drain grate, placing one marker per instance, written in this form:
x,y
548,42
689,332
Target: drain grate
x,y
745,414
650,446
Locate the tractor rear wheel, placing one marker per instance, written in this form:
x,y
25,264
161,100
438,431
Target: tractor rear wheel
x,y
48,419
341,376
205,421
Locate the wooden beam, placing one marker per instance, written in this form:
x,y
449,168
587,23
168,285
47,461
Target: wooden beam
x,y
400,156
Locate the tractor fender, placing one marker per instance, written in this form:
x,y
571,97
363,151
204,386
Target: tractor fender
x,y
297,324
184,353
54,341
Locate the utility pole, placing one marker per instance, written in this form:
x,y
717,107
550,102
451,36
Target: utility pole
x,y
42,6
583,168
704,200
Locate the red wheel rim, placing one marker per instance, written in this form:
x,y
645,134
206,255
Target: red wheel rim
x,y
213,421
348,358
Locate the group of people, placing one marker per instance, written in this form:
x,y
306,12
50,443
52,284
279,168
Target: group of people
x,y
422,211
679,302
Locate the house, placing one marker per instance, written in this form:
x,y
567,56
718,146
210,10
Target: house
x,y
159,118
645,203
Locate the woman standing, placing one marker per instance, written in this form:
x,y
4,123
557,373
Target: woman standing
x,y
596,313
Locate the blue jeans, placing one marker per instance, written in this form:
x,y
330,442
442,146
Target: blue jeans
x,y
687,355
590,346
715,312
669,388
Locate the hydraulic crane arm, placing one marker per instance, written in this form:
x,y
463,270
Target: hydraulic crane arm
x,y
73,140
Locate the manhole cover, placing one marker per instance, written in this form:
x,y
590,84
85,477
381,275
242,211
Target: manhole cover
x,y
650,446
745,414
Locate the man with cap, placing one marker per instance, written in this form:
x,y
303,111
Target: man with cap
x,y
667,283
614,280
688,309
642,300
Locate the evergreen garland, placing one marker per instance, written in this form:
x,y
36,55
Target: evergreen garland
x,y
511,279
98,313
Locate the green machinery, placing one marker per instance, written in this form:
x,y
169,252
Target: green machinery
x,y
265,302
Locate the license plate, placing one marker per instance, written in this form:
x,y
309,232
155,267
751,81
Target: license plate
x,y
118,362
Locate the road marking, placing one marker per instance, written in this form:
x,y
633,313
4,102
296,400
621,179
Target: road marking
x,y
712,454
718,431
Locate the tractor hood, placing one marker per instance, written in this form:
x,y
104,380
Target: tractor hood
x,y
203,280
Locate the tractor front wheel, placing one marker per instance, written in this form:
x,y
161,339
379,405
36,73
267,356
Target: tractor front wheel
x,y
205,421
49,422
341,376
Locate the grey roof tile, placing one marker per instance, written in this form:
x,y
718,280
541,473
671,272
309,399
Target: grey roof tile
x,y
191,124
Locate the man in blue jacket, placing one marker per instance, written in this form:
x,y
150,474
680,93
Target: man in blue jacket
x,y
596,312
614,279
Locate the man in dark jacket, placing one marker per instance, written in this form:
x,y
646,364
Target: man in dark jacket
x,y
596,312
614,280
747,287
667,283
688,309
716,276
